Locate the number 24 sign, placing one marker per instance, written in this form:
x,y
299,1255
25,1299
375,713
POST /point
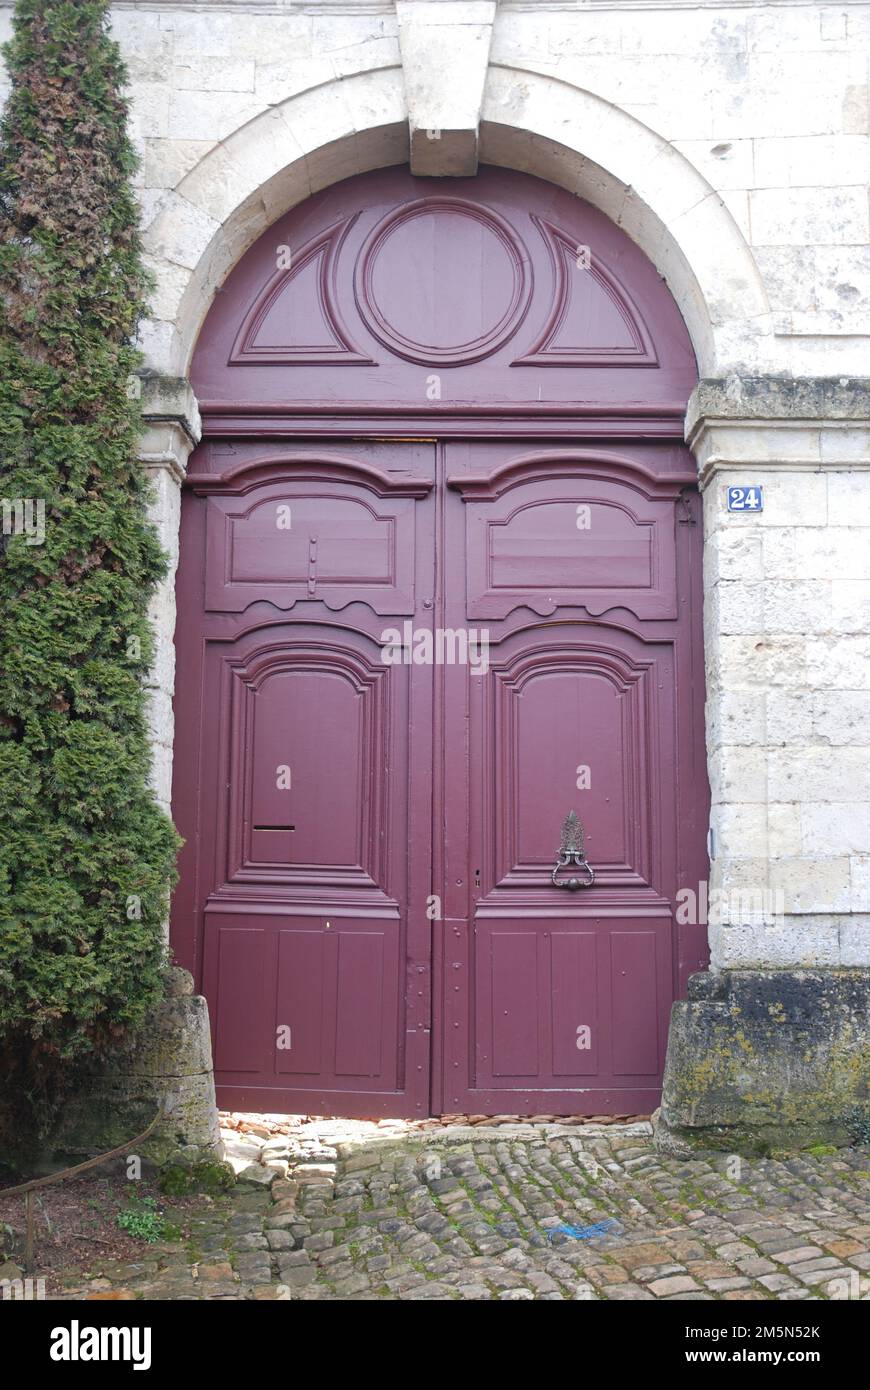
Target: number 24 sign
x,y
745,499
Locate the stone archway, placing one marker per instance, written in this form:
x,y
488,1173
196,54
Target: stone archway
x,y
527,123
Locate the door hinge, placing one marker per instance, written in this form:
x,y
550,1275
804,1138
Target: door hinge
x,y
417,985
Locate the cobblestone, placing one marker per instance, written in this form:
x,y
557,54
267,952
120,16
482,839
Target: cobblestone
x,y
514,1213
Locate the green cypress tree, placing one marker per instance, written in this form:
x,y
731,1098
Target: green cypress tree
x,y
86,856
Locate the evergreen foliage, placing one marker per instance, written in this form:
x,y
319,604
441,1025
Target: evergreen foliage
x,y
86,856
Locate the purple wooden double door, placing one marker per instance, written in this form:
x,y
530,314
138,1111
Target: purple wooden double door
x,y
429,603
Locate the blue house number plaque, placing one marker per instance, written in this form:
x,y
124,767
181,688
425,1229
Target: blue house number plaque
x,y
745,499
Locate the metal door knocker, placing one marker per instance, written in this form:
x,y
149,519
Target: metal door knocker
x,y
571,851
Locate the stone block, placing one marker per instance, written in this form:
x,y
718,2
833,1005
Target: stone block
x,y
210,74
166,1064
840,716
847,444
209,115
737,774
842,552
181,232
810,885
749,661
444,117
838,663
783,830
789,717
726,165
733,554
149,110
819,774
278,77
735,718
809,160
739,607
749,1067
809,216
797,606
216,33
855,939
165,162
848,498
835,828
851,603
804,941
791,498
814,278
741,829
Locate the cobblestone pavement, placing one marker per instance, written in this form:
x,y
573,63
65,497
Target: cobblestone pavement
x,y
467,1213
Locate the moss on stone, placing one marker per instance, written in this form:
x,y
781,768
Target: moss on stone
x,y
178,1179
769,1061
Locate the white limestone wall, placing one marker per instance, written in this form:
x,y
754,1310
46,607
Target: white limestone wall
x,y
732,141
787,644
767,104
770,104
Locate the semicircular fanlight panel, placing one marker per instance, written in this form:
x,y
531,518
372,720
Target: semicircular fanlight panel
x,y
451,297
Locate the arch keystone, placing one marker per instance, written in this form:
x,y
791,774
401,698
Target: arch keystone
x,y
438,37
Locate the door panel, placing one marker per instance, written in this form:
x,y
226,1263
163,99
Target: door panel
x,y
301,988
311,836
235,981
392,278
312,1001
308,855
563,704
538,989
314,537
558,1001
557,531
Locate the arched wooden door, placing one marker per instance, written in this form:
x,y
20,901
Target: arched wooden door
x,y
440,586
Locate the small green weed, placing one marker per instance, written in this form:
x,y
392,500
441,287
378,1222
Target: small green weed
x,y
140,1218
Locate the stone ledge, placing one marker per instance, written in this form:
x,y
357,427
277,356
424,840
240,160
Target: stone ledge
x,y
762,1060
798,424
168,399
772,398
171,424
779,421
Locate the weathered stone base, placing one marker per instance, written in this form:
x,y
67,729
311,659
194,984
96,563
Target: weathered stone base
x,y
168,1063
766,1060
